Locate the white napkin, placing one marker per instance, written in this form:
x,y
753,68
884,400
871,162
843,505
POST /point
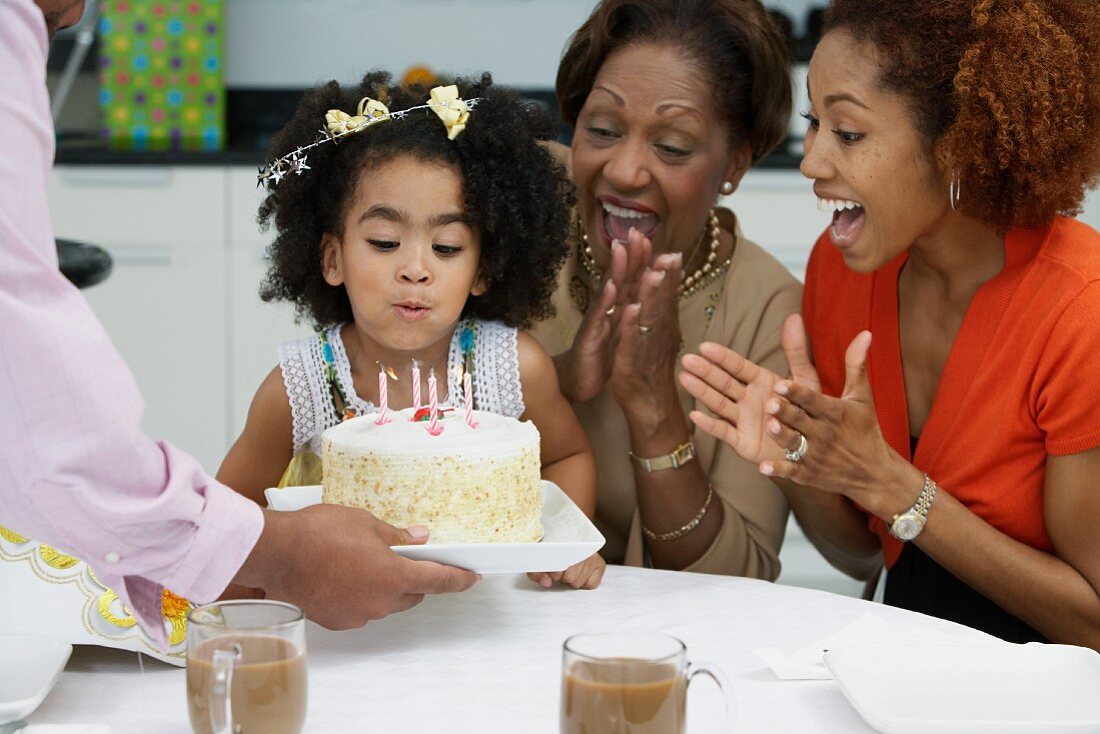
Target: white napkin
x,y
866,631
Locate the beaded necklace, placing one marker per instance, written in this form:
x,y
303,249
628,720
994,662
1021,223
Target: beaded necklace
x,y
703,276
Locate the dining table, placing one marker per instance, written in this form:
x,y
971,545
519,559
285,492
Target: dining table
x,y
489,659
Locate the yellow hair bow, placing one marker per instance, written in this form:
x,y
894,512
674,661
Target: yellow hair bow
x,y
370,110
452,110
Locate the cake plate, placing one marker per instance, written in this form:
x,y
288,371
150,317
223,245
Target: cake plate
x,y
568,536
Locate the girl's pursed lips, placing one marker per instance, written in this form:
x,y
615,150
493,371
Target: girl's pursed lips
x,y
411,313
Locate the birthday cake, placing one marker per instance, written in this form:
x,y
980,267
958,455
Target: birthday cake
x,y
467,484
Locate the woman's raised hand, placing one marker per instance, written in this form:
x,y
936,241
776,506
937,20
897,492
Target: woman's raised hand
x,y
585,368
647,335
846,451
737,392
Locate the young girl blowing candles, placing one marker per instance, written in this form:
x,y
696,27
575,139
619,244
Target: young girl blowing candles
x,y
418,232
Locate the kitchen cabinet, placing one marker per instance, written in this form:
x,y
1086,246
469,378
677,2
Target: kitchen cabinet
x,y
254,328
181,303
163,304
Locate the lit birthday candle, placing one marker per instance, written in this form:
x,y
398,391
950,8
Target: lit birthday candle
x,y
416,386
468,393
383,396
433,404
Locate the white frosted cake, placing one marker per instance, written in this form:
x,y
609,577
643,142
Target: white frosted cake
x,y
468,485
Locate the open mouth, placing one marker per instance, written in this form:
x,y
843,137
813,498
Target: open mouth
x,y
848,218
617,221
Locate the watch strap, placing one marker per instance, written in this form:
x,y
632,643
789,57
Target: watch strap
x,y
682,454
919,509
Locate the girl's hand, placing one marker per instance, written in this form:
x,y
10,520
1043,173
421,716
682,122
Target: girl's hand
x,y
584,575
647,336
737,393
846,452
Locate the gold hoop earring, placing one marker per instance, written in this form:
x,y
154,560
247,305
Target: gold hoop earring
x,y
726,188
954,190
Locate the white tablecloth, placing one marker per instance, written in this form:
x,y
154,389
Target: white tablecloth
x,y
488,660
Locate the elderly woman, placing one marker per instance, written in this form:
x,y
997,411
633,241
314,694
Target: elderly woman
x,y
671,100
960,446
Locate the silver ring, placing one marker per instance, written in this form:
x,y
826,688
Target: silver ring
x,y
797,454
610,311
643,330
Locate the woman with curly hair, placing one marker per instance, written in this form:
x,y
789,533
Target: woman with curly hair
x,y
411,239
671,101
952,142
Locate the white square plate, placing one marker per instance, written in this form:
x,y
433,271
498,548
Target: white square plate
x,y
1007,689
568,536
29,667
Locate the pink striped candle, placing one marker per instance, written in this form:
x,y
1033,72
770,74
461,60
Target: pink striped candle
x,y
433,404
383,396
416,386
468,391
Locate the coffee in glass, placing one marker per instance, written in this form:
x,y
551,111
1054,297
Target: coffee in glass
x,y
246,668
623,683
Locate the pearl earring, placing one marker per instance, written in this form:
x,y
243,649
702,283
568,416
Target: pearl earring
x,y
726,188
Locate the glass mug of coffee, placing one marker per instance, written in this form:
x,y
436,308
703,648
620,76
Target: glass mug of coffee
x,y
246,668
629,683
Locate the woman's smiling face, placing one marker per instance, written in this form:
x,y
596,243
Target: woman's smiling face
x,y
871,166
649,150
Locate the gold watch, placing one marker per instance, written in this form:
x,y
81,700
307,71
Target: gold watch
x,y
680,455
907,525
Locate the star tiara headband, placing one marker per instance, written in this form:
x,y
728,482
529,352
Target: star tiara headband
x,y
452,110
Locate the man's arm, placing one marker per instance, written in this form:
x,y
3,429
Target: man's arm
x,y
76,471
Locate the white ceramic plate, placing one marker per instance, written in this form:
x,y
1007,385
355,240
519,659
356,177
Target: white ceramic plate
x,y
568,536
29,667
1007,689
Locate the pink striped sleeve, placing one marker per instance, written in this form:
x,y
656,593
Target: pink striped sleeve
x,y
75,469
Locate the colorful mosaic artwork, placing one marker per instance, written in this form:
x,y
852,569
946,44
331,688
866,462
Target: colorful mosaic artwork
x,y
160,74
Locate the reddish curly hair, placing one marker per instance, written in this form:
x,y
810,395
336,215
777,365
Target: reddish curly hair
x,y
1007,93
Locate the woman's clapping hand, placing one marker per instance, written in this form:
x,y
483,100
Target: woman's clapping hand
x,y
846,450
647,336
737,392
586,367
631,333
762,416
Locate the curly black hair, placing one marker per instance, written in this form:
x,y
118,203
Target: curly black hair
x,y
517,196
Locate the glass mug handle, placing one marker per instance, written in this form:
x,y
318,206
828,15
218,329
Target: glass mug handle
x,y
715,673
221,687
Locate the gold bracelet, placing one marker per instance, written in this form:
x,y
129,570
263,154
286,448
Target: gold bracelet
x,y
681,532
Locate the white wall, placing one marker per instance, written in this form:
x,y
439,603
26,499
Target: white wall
x,y
296,43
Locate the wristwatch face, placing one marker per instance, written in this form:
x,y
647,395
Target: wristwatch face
x,y
684,453
906,527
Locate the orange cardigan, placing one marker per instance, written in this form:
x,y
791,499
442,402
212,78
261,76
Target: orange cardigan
x,y
1022,380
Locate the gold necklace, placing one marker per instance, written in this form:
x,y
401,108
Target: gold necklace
x,y
701,277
